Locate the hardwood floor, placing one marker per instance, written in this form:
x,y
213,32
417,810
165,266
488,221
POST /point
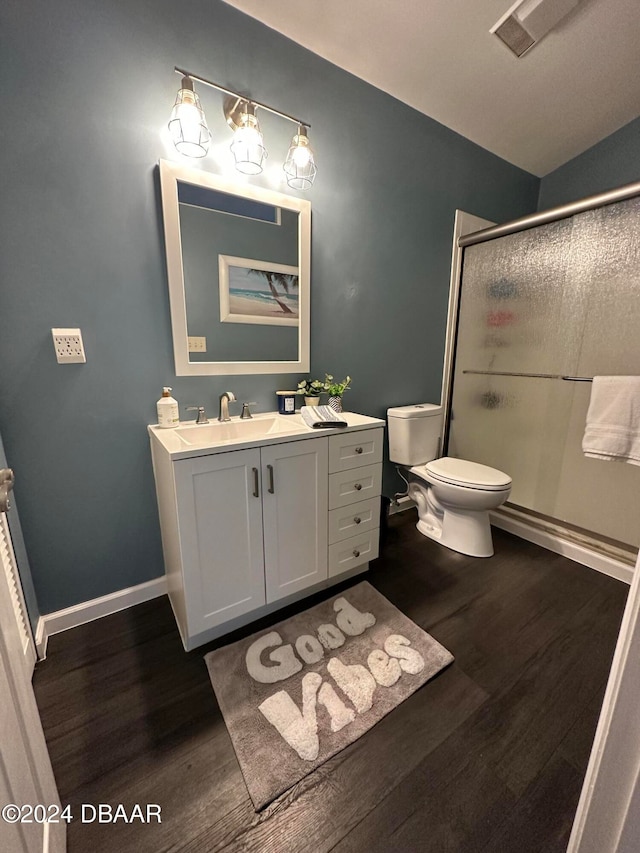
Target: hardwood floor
x,y
489,756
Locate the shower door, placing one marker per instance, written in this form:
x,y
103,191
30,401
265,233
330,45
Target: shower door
x,y
558,300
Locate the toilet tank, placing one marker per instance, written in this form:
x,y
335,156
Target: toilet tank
x,y
414,433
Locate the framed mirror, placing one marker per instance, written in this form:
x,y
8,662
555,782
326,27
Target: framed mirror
x,y
238,267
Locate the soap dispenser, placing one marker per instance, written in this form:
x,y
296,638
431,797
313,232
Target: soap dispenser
x,y
168,415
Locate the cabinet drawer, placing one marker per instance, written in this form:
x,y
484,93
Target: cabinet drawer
x,y
354,449
353,552
353,519
349,487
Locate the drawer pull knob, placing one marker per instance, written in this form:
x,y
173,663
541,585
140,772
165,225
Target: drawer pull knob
x,y
357,487
357,519
358,450
356,553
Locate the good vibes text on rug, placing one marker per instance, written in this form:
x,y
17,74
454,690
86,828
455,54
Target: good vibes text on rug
x,y
358,683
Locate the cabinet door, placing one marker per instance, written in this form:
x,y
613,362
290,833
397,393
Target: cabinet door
x,y
220,525
295,507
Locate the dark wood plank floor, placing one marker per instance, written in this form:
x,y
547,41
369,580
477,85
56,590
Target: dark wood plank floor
x,y
489,756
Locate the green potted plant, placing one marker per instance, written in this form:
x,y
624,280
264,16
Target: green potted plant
x,y
311,388
335,390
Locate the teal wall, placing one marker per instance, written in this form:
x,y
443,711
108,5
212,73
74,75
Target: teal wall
x,y
611,163
86,87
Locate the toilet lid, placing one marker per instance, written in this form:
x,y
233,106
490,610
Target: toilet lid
x,y
459,472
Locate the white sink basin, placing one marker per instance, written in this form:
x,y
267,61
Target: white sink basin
x,y
211,434
189,440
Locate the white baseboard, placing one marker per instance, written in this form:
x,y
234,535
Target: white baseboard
x,y
572,550
96,608
41,638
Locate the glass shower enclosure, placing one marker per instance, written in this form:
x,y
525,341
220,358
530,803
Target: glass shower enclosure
x,y
542,311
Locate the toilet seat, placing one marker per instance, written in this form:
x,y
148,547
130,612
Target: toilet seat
x,y
460,472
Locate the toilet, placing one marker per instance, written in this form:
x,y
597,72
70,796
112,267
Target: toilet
x,y
453,496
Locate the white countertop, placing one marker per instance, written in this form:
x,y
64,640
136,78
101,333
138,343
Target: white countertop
x,y
189,439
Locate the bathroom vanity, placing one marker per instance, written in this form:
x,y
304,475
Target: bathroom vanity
x,y
258,513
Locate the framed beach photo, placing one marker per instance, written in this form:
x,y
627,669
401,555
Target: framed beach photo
x,y
258,292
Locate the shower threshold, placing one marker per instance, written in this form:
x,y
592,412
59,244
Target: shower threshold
x,y
615,559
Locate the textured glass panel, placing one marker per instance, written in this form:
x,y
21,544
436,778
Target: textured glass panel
x,y
560,299
595,495
515,312
516,316
517,426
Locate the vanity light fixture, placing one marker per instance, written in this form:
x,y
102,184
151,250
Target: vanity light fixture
x,y
300,166
191,135
187,125
248,146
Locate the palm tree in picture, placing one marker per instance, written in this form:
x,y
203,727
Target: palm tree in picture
x,y
286,281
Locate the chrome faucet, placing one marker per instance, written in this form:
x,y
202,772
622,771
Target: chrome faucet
x,y
202,415
225,398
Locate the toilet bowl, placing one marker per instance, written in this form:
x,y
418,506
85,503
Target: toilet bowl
x,y
453,496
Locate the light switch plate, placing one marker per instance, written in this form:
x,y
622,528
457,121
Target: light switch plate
x,y
68,346
196,344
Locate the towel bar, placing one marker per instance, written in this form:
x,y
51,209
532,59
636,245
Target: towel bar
x,y
531,375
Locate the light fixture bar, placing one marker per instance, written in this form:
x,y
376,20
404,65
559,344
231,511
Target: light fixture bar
x,y
239,96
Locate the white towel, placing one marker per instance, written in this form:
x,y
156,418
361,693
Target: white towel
x,y
612,431
318,417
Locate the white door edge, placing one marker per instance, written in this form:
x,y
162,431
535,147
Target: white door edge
x,y
605,818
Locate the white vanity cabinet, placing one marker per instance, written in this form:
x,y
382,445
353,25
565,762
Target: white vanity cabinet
x,y
252,529
246,529
355,484
219,527
294,510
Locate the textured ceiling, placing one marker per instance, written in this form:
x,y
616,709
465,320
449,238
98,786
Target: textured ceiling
x,y
576,86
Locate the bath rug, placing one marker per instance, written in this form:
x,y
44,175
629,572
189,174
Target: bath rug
x,y
295,694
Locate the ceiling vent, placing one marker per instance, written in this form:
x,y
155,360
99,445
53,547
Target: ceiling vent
x,y
527,21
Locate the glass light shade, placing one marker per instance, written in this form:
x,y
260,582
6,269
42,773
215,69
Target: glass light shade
x,y
187,125
300,167
248,146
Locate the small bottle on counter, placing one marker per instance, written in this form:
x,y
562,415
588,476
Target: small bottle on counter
x,y
286,402
168,414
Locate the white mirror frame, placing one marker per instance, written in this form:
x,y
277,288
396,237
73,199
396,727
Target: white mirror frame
x,y
170,174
